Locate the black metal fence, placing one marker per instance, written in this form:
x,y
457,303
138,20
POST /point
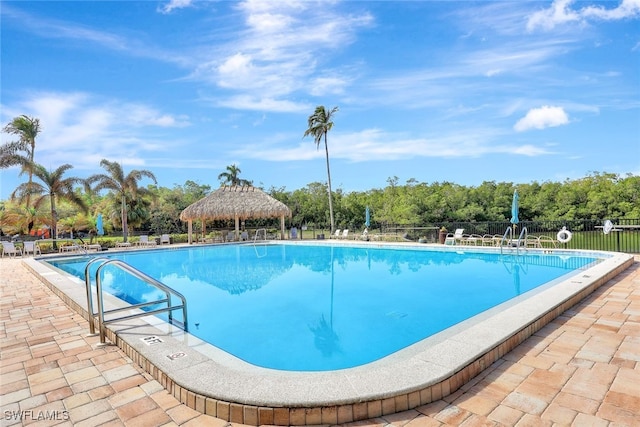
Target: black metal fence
x,y
586,234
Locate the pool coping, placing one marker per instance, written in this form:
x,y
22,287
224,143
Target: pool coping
x,y
218,384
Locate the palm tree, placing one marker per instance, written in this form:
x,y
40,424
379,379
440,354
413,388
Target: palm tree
x,y
125,187
16,219
230,177
54,187
319,125
21,152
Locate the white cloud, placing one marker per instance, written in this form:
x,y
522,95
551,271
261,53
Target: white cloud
x,y
626,9
543,117
57,29
81,129
378,145
248,102
560,12
279,48
323,86
174,4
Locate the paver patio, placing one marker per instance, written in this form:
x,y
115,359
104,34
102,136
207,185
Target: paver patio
x,y
581,369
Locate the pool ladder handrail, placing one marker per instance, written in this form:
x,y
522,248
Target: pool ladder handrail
x,y
255,240
140,275
509,231
255,236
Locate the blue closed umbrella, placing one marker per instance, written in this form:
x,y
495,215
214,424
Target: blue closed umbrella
x,y
514,208
99,226
367,217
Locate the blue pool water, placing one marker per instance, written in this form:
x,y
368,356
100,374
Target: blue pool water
x,y
320,307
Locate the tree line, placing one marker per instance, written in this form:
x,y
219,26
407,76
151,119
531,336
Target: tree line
x,y
596,196
157,209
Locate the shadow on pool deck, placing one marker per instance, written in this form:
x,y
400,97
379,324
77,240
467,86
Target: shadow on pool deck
x,y
582,368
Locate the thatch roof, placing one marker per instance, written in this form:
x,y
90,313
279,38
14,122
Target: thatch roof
x,y
236,202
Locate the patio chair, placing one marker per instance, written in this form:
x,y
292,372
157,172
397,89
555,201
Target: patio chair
x,y
144,241
488,240
472,239
336,235
455,238
31,248
10,248
165,238
70,247
546,242
531,242
345,233
92,247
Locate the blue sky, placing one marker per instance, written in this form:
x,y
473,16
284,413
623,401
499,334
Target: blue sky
x,y
509,91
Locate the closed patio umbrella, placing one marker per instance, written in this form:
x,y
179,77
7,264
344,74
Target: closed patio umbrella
x,y
367,217
514,208
99,225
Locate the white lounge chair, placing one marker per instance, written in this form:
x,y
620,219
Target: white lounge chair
x,y
92,247
10,248
144,241
488,240
546,242
345,233
336,235
455,238
472,240
31,248
165,238
71,247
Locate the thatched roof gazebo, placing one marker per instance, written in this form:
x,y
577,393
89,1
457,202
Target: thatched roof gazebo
x,y
237,203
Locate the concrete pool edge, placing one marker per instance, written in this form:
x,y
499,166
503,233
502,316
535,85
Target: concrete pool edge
x,y
398,383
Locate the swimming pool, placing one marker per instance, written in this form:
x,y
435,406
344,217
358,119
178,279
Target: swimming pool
x,y
212,381
320,308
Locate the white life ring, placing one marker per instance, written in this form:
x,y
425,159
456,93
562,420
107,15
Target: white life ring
x,y
564,235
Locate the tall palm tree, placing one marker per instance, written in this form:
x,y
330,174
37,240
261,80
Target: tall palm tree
x,y
124,187
231,176
53,187
319,125
21,152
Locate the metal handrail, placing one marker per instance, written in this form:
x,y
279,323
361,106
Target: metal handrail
x,y
523,231
509,231
255,236
255,239
142,276
87,282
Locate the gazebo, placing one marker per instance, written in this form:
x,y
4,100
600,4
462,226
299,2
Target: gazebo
x,y
237,203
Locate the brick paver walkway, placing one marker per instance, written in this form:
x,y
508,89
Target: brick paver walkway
x,y
583,369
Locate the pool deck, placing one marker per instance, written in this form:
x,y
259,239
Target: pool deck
x,y
581,368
